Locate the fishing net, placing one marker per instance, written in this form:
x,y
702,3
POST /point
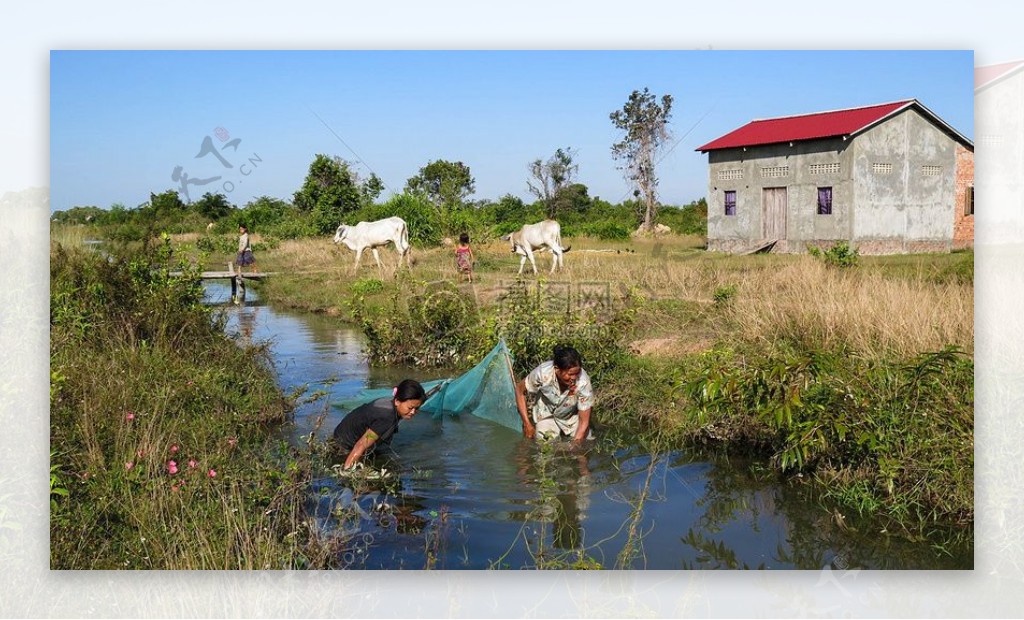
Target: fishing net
x,y
486,391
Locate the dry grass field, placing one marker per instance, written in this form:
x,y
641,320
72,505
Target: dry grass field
x,y
886,305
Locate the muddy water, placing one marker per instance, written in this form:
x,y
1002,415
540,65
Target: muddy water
x,y
466,493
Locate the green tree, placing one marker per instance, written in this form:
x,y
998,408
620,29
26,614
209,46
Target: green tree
x,y
79,215
264,211
511,209
213,206
328,194
645,124
447,184
550,178
119,214
167,204
573,198
371,188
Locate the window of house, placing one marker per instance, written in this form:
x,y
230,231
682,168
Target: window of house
x,y
931,171
730,202
824,201
733,174
881,168
969,207
774,172
824,168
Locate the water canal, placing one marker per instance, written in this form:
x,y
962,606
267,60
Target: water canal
x,y
468,494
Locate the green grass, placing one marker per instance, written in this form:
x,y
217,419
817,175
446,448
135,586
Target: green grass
x,y
162,431
955,267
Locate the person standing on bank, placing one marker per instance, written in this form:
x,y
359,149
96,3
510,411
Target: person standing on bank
x,y
244,256
375,423
562,398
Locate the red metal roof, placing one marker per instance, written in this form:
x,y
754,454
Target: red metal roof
x,y
805,126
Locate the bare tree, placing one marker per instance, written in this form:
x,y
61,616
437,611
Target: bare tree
x,y
549,178
645,124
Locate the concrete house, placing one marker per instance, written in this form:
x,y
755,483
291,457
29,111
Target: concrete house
x,y
887,178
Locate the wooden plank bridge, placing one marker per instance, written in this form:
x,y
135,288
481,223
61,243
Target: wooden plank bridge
x,y
237,279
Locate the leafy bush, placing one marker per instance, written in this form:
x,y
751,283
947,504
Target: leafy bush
x,y
366,286
906,427
264,212
223,244
607,230
534,318
840,255
442,326
291,228
436,326
419,214
691,219
503,228
724,294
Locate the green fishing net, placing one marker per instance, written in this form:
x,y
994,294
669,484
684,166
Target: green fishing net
x,y
486,391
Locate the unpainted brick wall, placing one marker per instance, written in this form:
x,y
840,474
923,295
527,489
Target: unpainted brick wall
x,y
963,224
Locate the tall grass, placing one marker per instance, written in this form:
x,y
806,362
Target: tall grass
x,y
866,312
162,430
71,235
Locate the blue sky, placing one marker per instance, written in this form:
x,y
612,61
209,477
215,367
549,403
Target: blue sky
x,y
121,121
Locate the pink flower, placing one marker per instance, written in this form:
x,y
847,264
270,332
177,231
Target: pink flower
x,y
129,416
174,448
172,467
129,465
192,463
174,487
232,441
188,383
140,453
211,473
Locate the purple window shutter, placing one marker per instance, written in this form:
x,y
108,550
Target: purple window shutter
x,y
730,203
824,201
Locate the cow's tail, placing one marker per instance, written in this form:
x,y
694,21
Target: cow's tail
x,y
564,248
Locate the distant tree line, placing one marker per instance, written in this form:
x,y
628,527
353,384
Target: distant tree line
x,y
436,201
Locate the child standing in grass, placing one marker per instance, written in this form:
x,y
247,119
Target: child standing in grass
x,y
464,257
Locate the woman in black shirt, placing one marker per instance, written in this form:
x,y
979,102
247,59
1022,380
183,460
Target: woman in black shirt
x,y
376,422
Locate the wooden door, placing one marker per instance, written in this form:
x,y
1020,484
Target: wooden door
x,y
773,213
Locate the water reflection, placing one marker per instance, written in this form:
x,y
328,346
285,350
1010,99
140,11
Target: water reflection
x,y
562,477
247,318
750,519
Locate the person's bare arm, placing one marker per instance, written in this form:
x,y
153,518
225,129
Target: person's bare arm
x,y
360,448
583,426
528,429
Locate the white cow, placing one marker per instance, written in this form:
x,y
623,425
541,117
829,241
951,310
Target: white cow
x,y
546,235
374,235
